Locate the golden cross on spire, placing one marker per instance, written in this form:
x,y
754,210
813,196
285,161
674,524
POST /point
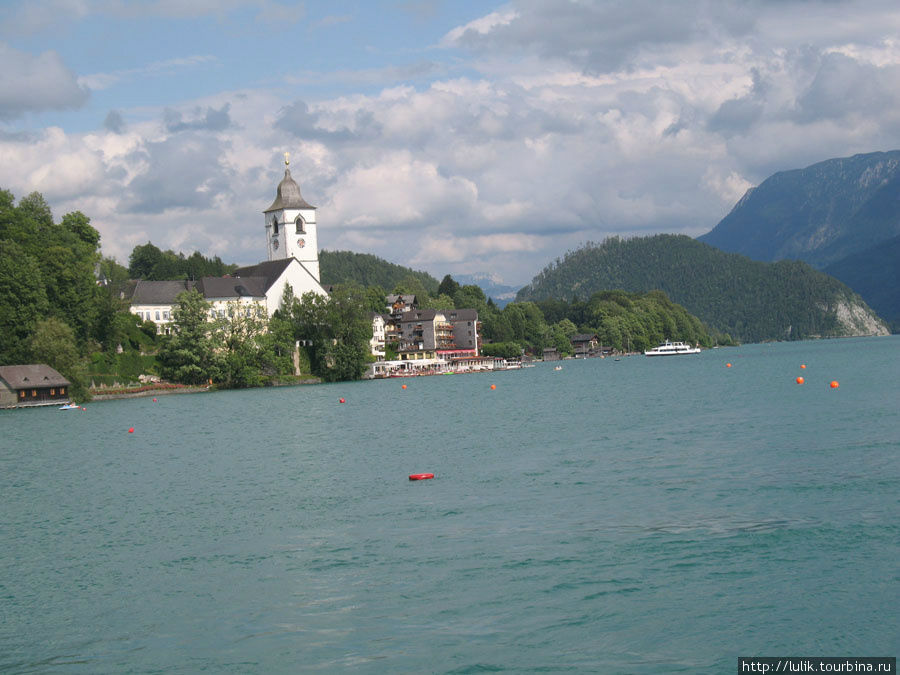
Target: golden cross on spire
x,y
287,158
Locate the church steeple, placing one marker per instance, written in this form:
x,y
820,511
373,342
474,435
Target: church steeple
x,y
291,225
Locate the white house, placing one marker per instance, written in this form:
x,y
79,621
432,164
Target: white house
x,y
293,258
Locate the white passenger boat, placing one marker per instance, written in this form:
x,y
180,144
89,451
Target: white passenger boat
x,y
672,349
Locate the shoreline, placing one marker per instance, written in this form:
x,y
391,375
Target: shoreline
x,y
142,392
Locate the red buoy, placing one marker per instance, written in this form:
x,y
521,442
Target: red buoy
x,y
420,476
800,380
342,401
834,384
130,430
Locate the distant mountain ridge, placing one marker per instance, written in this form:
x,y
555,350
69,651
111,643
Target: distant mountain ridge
x,y
751,301
500,293
819,214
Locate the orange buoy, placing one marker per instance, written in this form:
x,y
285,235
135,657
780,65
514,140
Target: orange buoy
x,y
341,401
493,386
728,365
835,384
403,386
420,476
154,400
800,380
130,430
803,365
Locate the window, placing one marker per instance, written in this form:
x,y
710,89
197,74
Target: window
x,y
166,315
53,392
300,226
274,226
22,394
34,392
62,391
157,315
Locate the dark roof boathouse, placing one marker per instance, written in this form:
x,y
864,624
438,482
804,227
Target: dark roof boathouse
x,y
32,385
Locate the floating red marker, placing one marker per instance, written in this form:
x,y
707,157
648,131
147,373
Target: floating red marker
x,y
800,380
154,400
420,476
403,386
493,386
835,384
130,430
803,365
342,401
728,365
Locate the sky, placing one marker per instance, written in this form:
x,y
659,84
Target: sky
x,y
451,136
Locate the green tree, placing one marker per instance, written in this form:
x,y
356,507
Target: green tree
x,y
448,286
143,261
53,343
71,288
189,355
338,329
23,302
248,355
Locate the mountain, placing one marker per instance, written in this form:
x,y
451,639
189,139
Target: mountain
x,y
875,275
492,286
338,267
819,214
751,301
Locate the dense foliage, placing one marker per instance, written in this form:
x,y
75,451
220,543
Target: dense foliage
x,y
51,309
748,300
343,267
149,262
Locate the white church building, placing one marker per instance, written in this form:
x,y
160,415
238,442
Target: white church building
x,y
293,258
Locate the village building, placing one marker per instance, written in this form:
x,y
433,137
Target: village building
x,y
32,385
293,258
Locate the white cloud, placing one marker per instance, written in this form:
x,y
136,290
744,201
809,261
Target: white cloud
x,y
31,83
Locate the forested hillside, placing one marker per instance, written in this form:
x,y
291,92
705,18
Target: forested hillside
x,y
341,267
749,300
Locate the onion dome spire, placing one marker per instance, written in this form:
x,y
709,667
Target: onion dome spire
x,y
288,194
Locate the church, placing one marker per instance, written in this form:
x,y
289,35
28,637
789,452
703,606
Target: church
x,y
256,290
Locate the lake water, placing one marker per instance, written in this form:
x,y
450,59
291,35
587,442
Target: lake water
x,y
617,516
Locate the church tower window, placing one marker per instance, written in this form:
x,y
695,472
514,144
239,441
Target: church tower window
x,y
274,226
300,226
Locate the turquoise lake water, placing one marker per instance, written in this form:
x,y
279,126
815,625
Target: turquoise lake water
x,y
632,516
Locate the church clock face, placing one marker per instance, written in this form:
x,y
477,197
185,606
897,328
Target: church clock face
x,y
275,244
301,243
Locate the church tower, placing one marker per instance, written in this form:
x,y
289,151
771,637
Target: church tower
x,y
291,225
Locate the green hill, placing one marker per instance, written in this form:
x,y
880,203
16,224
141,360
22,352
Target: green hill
x,y
338,267
749,300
